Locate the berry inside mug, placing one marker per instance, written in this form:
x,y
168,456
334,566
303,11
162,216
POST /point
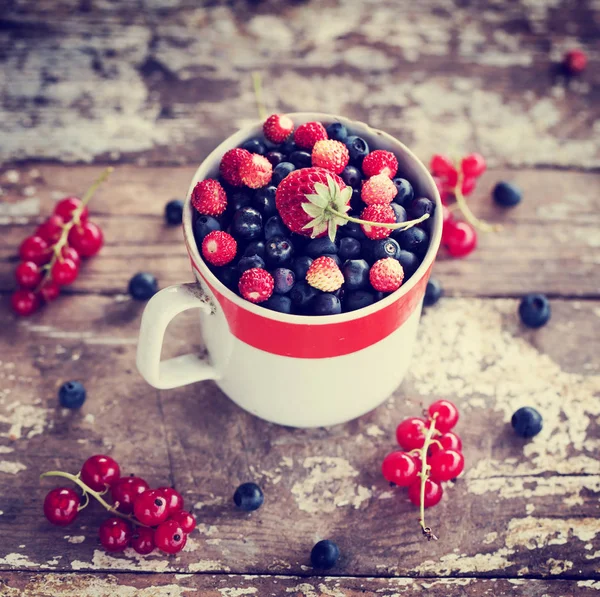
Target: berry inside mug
x,y
311,239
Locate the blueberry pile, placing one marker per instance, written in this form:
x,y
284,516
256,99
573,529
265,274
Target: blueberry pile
x,y
237,203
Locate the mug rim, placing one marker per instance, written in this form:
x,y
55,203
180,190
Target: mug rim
x,y
211,162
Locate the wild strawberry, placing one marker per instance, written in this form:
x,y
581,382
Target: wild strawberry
x,y
473,165
575,61
209,197
291,195
380,162
277,128
255,171
331,155
386,275
324,274
219,248
256,285
378,189
229,167
382,214
308,134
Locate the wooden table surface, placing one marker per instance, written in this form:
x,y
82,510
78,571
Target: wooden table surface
x,y
151,86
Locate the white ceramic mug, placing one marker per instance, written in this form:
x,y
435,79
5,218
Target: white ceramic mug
x,y
301,371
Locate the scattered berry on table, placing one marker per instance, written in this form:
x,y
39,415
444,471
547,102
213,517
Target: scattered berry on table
x,y
115,534
174,212
301,159
51,229
64,272
324,555
433,292
36,249
248,497
100,472
229,168
71,394
209,197
143,286
279,302
386,275
534,310
410,433
186,521
446,465
247,224
65,208
24,302
381,214
337,131
446,415
277,128
204,225
142,540
250,262
378,189
326,304
527,421
219,248
61,506
446,441
358,148
399,468
468,185
331,155
255,146
256,171
174,499
284,280
151,507
575,61
352,177
125,491
507,194
28,275
256,285
473,165
87,239
433,493
49,291
325,275
380,162
461,238
306,135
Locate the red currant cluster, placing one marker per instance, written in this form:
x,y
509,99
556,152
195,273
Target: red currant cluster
x,y
52,256
143,518
432,455
455,183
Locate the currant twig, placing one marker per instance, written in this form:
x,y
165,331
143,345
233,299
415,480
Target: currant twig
x,y
466,210
424,474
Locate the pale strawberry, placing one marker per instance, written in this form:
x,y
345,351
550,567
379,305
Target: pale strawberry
x,y
386,275
324,274
256,285
219,248
380,162
308,134
378,189
209,197
229,167
256,171
331,155
277,128
379,213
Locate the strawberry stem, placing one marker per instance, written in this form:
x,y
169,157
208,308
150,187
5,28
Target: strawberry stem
x,y
466,210
258,95
424,474
397,226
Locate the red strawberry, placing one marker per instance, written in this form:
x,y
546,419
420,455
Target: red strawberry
x,y
331,155
380,162
378,189
209,197
230,166
219,248
473,165
386,275
324,274
308,134
256,285
383,214
291,194
277,128
255,171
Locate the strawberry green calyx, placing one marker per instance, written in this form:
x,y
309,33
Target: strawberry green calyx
x,y
329,206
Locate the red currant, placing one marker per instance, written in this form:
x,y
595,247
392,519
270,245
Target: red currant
x,y
35,248
100,471
65,208
169,537
24,302
60,506
72,254
447,222
150,507
448,441
64,272
446,465
575,61
461,238
51,229
410,434
399,468
443,190
86,239
447,415
115,534
28,274
185,519
433,493
442,165
50,291
126,490
143,540
174,499
473,165
468,185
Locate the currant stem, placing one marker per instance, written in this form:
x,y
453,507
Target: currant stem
x,y
87,491
258,95
466,210
397,226
424,474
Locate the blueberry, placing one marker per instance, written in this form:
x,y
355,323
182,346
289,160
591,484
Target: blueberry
x,y
300,159
300,266
357,299
405,192
326,304
324,555
204,225
284,280
527,421
399,212
414,239
381,249
278,251
246,263
275,227
357,148
229,276
507,194
71,394
337,131
534,310
302,294
353,230
264,201
356,274
248,497
238,199
278,302
143,286
352,177
409,262
281,171
420,207
255,146
275,157
349,248
433,292
247,223
288,146
320,246
256,247
356,202
174,212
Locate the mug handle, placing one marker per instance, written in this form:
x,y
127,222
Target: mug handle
x,y
159,311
